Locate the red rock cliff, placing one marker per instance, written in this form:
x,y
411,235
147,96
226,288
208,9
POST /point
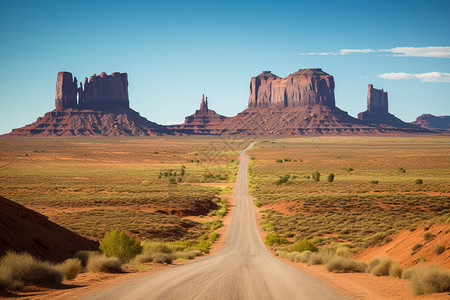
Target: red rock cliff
x,y
302,88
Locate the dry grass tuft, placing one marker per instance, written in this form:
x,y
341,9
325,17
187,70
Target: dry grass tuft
x,y
345,265
385,266
428,279
100,263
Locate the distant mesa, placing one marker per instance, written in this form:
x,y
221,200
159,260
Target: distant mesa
x,y
22,229
433,122
302,103
99,93
304,87
100,108
377,110
204,115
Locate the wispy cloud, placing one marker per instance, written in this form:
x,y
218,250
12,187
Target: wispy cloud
x,y
439,52
424,77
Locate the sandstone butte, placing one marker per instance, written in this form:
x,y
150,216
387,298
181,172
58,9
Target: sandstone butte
x,y
433,122
100,108
377,110
302,103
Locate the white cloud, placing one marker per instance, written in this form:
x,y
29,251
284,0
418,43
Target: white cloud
x,y
440,52
424,77
350,51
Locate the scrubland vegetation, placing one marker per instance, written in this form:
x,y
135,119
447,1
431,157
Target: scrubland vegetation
x,y
146,186
371,192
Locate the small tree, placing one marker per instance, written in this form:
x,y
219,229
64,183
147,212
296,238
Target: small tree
x,y
116,243
316,176
330,177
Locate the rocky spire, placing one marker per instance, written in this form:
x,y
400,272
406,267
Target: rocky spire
x,y
204,104
66,91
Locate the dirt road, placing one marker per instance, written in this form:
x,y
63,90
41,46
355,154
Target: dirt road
x,y
243,269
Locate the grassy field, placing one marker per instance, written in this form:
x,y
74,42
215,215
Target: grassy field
x,y
147,186
374,192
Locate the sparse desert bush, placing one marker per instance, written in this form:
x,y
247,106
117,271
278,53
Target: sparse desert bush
x,y
374,181
303,256
345,265
142,258
291,255
274,239
428,279
428,236
330,177
342,252
100,263
117,244
22,268
318,258
188,254
349,169
282,179
416,247
162,258
70,268
418,181
439,249
316,176
279,160
83,256
401,170
376,239
385,266
303,245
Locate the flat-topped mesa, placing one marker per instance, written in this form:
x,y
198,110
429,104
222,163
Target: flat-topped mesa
x,y
204,115
306,87
104,91
377,104
99,93
66,91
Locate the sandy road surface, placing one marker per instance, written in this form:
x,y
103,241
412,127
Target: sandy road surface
x,y
243,269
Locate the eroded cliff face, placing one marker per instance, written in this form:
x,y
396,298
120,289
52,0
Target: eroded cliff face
x,y
99,92
306,87
377,105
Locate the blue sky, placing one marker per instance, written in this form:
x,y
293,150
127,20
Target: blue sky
x,y
174,51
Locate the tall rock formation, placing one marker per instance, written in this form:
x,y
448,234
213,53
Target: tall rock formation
x,y
306,87
102,107
377,110
66,91
104,91
99,93
204,115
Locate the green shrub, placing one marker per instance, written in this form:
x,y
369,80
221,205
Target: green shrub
x,y
70,268
316,176
116,243
330,177
349,169
385,266
429,279
156,247
374,181
345,265
274,239
418,181
439,249
401,170
303,245
282,179
22,268
279,160
101,263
